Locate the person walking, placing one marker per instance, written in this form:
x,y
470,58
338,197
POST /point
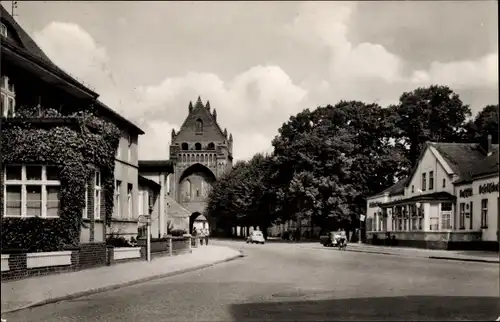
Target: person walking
x,y
207,235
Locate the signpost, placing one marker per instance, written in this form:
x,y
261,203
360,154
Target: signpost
x,y
146,219
361,219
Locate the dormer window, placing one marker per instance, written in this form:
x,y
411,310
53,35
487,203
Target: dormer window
x,y
3,30
7,98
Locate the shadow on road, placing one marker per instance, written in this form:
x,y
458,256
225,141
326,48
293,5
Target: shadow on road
x,y
410,308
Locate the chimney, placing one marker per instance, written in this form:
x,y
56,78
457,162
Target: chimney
x,y
486,145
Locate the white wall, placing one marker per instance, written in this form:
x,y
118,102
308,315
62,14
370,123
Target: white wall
x,y
429,162
490,233
372,209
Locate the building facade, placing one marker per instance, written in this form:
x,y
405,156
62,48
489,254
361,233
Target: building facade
x,y
36,91
157,172
200,153
449,201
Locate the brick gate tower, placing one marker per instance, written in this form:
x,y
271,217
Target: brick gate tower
x,y
200,152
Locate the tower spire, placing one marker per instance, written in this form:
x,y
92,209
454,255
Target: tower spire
x,y
214,114
190,106
199,103
207,106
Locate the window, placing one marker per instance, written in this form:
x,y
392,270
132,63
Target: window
x,y
129,147
197,192
197,146
130,201
424,181
446,206
211,146
3,30
444,183
31,191
97,195
431,180
484,213
118,206
118,150
8,97
462,216
199,126
412,188
185,146
446,220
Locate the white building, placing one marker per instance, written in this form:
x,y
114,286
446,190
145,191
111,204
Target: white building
x,y
449,201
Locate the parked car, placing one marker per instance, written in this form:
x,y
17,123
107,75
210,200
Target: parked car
x,y
256,237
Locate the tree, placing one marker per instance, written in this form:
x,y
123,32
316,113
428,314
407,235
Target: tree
x,y
485,123
329,160
435,113
242,196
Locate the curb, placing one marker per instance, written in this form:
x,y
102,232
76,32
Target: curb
x,y
465,259
460,259
117,286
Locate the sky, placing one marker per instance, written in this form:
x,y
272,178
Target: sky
x,y
258,63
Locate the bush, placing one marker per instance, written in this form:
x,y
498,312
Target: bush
x,y
34,234
178,232
119,241
285,235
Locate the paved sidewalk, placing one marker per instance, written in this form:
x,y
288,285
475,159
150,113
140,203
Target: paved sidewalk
x,y
21,294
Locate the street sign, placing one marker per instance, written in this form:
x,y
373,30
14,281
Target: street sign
x,y
362,217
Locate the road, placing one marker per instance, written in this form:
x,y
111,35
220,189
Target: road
x,y
281,282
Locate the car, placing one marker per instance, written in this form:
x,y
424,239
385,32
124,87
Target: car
x,y
256,237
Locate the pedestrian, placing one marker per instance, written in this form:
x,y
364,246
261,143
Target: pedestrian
x,y
207,235
202,236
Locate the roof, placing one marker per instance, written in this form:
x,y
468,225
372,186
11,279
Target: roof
x,y
30,49
156,166
468,160
113,114
397,189
199,106
442,195
201,218
149,183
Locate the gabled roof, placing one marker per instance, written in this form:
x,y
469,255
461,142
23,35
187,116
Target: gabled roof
x,y
468,160
200,107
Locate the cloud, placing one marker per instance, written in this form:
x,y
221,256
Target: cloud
x,y
254,103
352,67
75,51
461,74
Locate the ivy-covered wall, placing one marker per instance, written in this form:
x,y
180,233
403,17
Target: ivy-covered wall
x,y
76,144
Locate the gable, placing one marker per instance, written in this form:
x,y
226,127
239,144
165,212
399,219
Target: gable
x,y
211,131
